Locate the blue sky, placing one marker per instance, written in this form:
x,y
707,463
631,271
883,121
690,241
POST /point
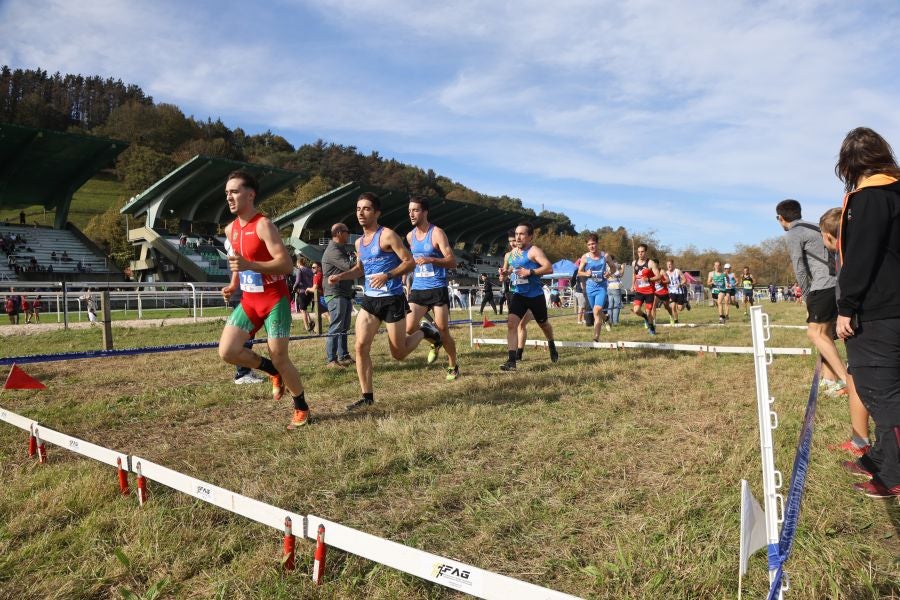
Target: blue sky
x,y
688,118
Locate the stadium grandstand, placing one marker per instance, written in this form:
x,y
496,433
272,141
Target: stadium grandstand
x,y
185,212
46,168
476,233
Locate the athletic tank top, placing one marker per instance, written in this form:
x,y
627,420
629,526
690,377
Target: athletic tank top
x,y
642,275
747,282
660,287
374,261
730,281
427,276
246,242
597,268
675,281
718,280
530,286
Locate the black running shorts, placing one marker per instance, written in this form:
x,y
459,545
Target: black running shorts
x,y
519,305
430,298
821,306
389,309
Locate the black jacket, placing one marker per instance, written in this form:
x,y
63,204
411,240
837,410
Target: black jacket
x,y
869,280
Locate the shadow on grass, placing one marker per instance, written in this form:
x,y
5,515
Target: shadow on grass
x,y
893,512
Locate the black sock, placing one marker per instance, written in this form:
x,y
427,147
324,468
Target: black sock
x,y
519,353
266,365
513,355
370,396
300,402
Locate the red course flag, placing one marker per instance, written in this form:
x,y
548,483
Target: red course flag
x,y
20,380
487,322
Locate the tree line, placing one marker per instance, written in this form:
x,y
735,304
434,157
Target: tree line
x,y
161,137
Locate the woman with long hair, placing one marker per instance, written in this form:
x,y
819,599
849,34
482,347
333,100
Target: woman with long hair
x,y
869,298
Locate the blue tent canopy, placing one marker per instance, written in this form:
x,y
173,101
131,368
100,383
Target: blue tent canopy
x,y
562,268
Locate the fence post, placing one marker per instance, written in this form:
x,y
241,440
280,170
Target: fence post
x,y
65,306
107,320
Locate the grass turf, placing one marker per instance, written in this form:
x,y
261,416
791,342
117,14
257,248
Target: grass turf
x,y
611,474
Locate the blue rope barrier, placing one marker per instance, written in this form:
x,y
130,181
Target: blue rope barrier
x,y
780,552
59,356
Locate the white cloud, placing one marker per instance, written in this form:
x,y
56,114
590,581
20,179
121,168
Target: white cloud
x,y
714,99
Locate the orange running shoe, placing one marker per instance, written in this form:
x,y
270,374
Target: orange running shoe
x,y
277,387
300,418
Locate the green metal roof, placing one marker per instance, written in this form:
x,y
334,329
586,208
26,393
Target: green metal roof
x,y
39,166
462,221
196,190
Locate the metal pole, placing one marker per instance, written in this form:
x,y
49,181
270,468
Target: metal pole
x,y
65,306
107,320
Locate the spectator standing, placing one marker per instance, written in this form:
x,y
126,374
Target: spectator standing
x,y
338,259
869,304
487,293
303,282
36,307
614,289
816,281
13,307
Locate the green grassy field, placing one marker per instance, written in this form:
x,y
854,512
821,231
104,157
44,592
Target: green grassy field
x,y
93,198
611,474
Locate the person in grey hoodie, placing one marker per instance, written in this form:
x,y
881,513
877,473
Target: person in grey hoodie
x,y
814,268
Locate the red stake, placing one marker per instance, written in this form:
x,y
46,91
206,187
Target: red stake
x,y
290,543
319,562
32,445
123,477
141,486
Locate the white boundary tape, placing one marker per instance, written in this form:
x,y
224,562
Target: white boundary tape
x,y
652,346
98,453
215,495
17,420
431,567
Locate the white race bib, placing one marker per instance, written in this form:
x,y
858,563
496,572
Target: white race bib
x,y
372,287
251,281
424,270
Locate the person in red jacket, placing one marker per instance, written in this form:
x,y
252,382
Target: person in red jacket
x,y
869,303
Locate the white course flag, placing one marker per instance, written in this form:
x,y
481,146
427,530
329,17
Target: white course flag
x,y
753,526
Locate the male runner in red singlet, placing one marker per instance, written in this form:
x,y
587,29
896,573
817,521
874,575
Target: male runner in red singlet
x,y
259,262
645,273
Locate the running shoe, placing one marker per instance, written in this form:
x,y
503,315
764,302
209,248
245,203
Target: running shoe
x,y
646,323
833,388
433,335
596,338
300,418
361,403
852,449
452,373
876,489
346,361
721,320
607,326
854,468
250,377
432,354
651,330
687,305
277,387
508,366
671,320
554,355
